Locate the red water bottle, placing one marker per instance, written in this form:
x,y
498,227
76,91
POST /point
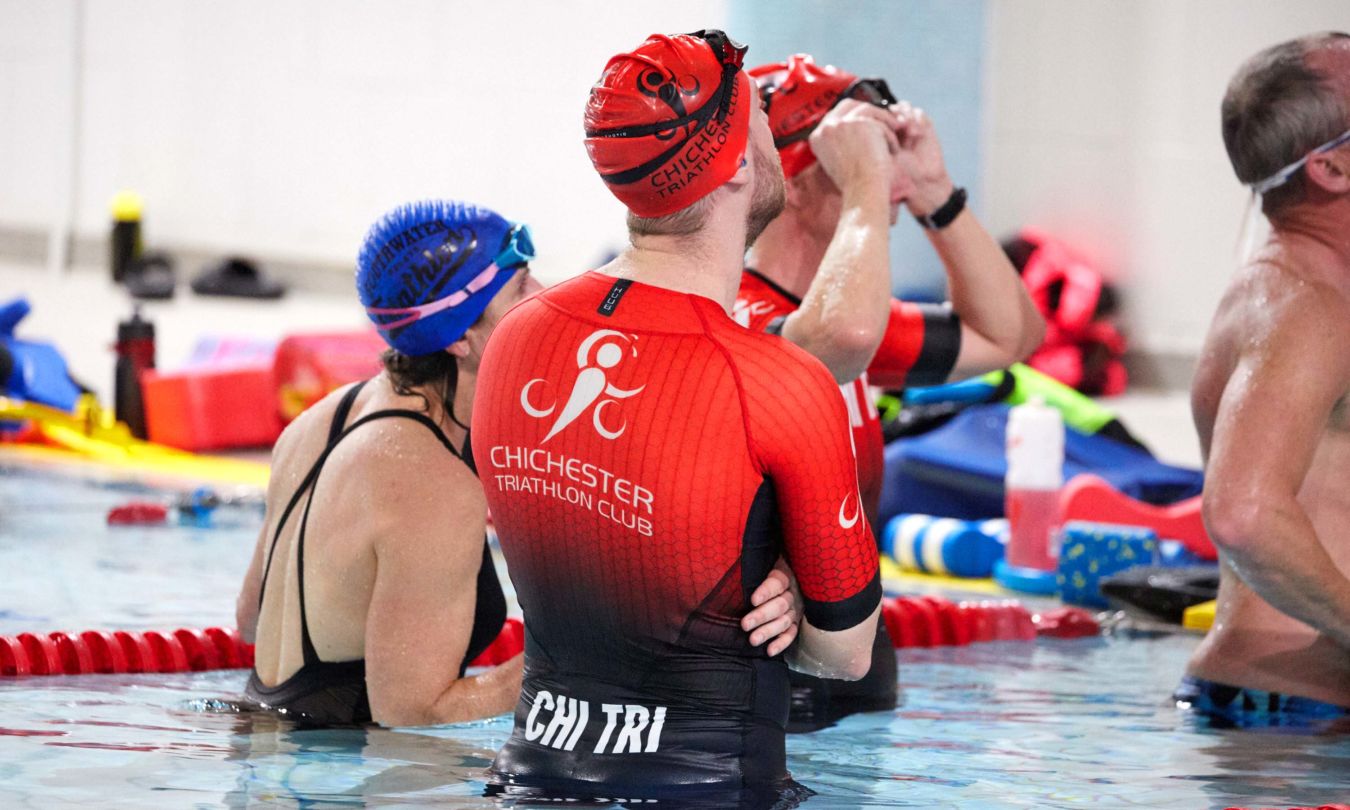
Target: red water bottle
x,y
1035,450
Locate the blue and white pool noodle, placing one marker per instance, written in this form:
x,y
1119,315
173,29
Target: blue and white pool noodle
x,y
938,545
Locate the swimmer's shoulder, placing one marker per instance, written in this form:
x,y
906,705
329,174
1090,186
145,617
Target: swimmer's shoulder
x,y
1273,295
321,412
303,438
398,466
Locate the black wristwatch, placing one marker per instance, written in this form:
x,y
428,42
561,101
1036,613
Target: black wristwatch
x,y
946,212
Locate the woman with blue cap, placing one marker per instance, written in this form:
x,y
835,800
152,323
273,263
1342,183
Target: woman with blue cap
x,y
372,586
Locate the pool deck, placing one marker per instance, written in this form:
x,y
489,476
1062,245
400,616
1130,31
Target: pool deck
x,y
79,311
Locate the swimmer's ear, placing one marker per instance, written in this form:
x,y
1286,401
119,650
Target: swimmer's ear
x,y
460,348
1329,171
794,194
742,175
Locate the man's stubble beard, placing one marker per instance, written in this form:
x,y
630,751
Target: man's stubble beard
x,y
769,196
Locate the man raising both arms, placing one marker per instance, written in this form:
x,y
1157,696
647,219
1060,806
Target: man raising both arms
x,y
820,276
644,473
1271,401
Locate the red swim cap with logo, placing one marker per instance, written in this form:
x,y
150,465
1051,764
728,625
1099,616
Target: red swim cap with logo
x,y
797,95
668,123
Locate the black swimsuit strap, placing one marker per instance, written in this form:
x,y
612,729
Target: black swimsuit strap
x,y
344,409
334,430
310,482
311,656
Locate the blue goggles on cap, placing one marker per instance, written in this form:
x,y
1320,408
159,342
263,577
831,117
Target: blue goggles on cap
x,y
518,250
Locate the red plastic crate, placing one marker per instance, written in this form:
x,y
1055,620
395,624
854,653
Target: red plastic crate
x,y
211,409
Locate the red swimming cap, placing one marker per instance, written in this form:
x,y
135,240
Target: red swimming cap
x,y
667,124
797,95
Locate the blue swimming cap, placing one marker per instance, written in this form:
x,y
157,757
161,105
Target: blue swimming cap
x,y
427,270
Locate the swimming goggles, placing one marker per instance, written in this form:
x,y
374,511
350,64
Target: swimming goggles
x,y
872,91
519,250
1282,176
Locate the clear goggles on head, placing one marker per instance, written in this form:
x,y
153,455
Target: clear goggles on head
x,y
1282,176
519,250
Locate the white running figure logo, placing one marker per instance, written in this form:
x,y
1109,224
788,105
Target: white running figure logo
x,y
591,384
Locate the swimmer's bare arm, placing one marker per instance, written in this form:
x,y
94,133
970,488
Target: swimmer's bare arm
x,y
428,551
841,654
1271,417
999,322
246,606
844,312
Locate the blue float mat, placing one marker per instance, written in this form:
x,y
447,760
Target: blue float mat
x,y
957,470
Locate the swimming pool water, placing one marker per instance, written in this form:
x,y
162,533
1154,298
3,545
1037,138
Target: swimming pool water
x,y
1082,723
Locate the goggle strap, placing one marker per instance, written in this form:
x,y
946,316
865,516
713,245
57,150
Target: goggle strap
x,y
1282,176
454,299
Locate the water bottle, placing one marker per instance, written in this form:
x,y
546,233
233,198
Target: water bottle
x,y
126,233
135,349
1035,452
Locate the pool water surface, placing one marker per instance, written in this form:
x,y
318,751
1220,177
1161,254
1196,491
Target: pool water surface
x,y
1082,723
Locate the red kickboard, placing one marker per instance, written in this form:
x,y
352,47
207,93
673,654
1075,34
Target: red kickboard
x,y
1088,497
211,409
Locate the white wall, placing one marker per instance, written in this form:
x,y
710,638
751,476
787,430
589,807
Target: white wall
x,y
284,128
1103,127
35,45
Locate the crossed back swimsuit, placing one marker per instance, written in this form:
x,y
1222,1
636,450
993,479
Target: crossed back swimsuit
x,y
334,692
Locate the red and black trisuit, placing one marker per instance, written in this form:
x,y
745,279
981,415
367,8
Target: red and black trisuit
x,y
646,462
919,348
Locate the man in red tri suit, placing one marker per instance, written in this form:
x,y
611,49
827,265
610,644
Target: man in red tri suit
x,y
646,466
820,276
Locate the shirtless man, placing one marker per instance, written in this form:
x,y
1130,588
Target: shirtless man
x,y
1270,402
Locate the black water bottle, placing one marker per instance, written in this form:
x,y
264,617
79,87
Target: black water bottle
x,y
135,353
125,243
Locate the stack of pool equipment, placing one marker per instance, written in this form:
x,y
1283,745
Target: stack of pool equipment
x,y
1057,540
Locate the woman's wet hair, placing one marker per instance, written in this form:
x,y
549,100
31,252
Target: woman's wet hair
x,y
1276,110
410,376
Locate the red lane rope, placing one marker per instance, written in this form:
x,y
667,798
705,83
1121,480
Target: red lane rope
x,y
924,621
106,652
931,621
